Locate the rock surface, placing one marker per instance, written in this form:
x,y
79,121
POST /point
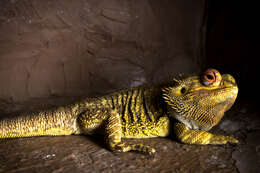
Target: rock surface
x,y
87,47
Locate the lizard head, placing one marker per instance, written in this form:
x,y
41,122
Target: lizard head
x,y
200,101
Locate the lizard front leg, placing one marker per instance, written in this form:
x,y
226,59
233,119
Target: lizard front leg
x,y
189,136
114,134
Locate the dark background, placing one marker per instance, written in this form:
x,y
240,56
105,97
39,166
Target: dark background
x,y
233,42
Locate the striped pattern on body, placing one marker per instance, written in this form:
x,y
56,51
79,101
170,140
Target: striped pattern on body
x,y
140,110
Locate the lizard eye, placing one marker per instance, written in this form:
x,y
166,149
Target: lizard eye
x,y
211,77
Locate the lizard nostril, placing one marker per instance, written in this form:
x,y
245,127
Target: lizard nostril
x,y
211,77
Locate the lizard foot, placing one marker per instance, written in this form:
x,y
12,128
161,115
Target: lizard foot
x,y
223,140
123,147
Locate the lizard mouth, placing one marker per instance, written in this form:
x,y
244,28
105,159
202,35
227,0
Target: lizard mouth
x,y
231,90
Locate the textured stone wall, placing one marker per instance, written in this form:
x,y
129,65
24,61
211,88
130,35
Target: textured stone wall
x,y
88,47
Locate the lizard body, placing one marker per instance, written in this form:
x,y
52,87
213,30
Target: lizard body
x,y
197,103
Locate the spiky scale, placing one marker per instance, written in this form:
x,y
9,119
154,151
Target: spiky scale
x,y
140,112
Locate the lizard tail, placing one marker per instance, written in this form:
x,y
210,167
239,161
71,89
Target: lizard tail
x,y
40,124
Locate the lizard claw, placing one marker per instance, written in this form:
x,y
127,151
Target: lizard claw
x,y
143,148
222,140
227,139
152,151
232,140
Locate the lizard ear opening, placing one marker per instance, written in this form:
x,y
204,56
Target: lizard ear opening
x,y
183,90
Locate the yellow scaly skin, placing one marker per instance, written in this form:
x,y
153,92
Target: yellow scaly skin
x,y
197,103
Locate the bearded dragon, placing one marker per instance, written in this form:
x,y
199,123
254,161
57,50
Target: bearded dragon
x,y
196,103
